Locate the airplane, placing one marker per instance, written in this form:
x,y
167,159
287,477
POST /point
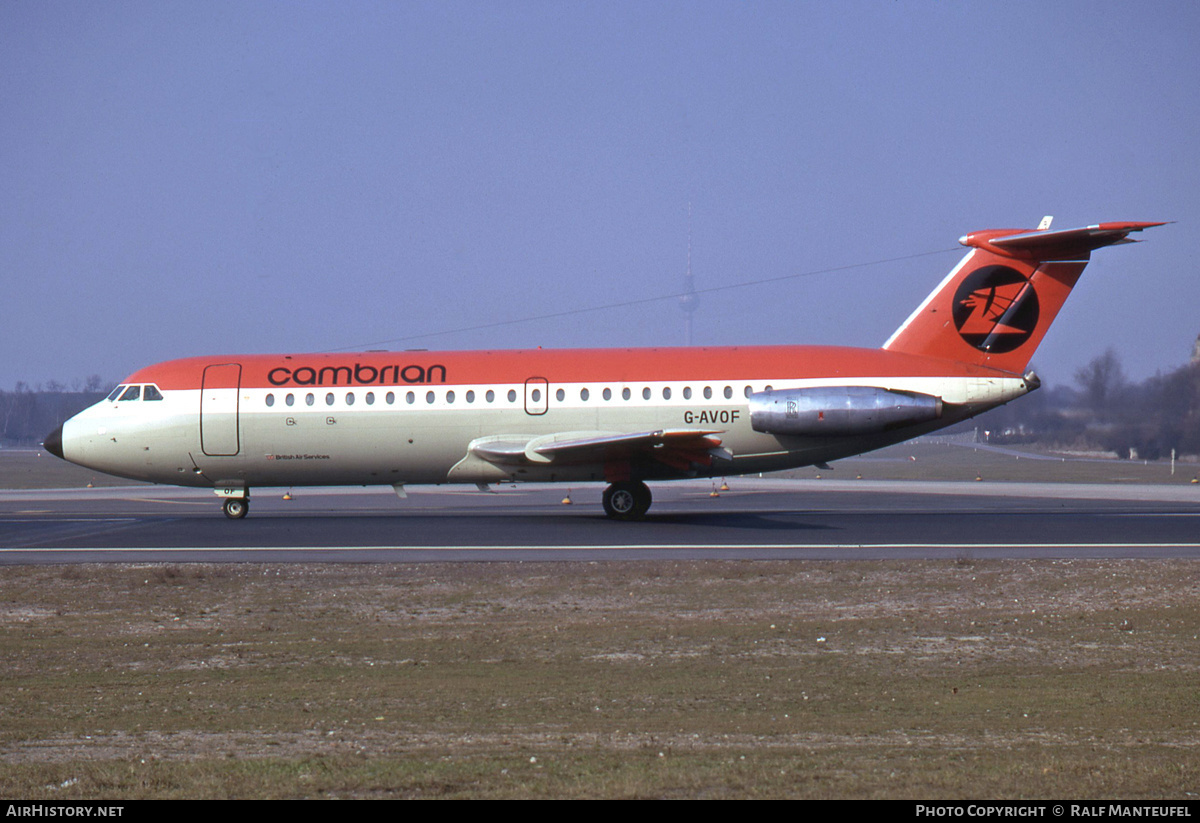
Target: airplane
x,y
622,416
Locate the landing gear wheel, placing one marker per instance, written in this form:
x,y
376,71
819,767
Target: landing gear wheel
x,y
627,500
236,507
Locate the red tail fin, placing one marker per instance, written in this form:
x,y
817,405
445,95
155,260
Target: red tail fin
x,y
995,307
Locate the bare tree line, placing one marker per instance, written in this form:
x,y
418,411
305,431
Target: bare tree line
x,y
29,413
93,384
1102,410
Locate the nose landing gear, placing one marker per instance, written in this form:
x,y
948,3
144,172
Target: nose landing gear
x,y
237,502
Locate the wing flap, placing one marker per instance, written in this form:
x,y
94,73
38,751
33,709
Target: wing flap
x,y
677,448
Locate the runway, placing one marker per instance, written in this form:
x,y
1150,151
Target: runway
x,y
755,520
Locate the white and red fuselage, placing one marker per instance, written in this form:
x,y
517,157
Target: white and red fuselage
x,y
623,416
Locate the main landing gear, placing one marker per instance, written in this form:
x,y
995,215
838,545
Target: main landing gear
x,y
627,500
236,507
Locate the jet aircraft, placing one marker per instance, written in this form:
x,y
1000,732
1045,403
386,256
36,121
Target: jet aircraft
x,y
621,416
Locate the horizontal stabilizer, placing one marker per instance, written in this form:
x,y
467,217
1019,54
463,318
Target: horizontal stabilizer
x,y
1054,245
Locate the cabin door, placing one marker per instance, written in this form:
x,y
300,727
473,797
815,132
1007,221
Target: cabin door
x,y
219,410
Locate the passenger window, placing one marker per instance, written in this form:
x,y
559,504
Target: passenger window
x,y
290,399
666,392
429,397
449,397
370,398
270,400
625,394
583,394
687,392
410,398
131,393
309,399
512,396
349,398
329,399
470,397
708,392
608,394
747,391
491,395
537,395
390,397
646,393
560,395
728,392
152,393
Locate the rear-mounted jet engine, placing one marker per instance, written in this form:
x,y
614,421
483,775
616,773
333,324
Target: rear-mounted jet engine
x,y
839,410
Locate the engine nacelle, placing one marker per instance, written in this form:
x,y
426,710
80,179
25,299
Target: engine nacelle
x,y
834,411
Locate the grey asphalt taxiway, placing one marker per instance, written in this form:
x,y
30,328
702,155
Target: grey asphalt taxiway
x,y
754,519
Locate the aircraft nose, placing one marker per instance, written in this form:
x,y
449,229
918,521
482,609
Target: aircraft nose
x,y
53,443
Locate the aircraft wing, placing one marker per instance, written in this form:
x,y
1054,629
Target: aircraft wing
x,y
677,448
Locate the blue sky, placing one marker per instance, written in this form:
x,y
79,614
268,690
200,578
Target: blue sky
x,y
186,178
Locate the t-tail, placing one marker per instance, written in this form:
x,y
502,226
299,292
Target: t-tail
x,y
995,307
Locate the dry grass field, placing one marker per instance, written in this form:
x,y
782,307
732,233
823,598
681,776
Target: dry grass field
x,y
963,679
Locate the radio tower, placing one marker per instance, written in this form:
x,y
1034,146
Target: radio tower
x,y
688,300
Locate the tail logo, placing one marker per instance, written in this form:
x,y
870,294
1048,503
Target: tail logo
x,y
995,309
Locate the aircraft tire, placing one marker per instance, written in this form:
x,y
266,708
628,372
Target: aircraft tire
x,y
236,507
627,500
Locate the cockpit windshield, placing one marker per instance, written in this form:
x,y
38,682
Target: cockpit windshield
x,y
126,393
